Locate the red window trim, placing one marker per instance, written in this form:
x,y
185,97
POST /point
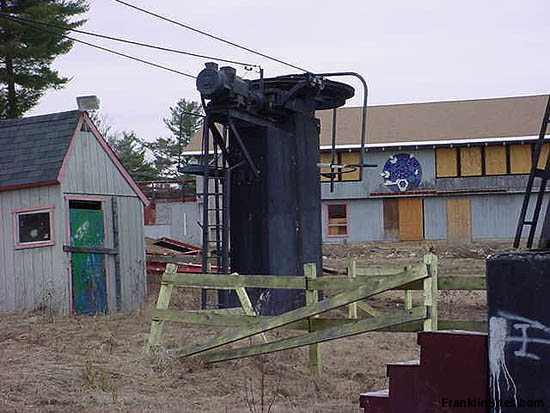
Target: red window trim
x,y
327,226
44,208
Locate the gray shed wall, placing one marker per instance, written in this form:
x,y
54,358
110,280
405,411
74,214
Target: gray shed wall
x,y
178,220
90,172
32,278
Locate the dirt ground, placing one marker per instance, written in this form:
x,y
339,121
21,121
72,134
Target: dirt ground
x,y
98,364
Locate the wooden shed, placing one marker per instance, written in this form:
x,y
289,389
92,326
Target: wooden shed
x,y
71,219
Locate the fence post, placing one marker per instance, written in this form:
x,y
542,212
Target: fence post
x,y
408,299
312,296
352,273
431,292
163,301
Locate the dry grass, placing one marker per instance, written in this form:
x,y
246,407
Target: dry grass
x,y
97,364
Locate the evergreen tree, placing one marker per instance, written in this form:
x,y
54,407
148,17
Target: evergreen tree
x,y
27,51
131,154
183,124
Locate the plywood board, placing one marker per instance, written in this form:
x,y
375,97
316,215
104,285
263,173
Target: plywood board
x,y
391,218
543,155
495,160
351,158
459,225
445,160
520,159
410,219
470,161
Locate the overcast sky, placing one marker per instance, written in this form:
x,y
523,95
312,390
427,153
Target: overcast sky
x,y
409,51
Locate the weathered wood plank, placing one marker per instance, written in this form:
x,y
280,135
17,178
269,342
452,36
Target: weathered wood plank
x,y
163,301
91,250
178,259
389,270
431,292
312,297
352,273
357,327
407,300
369,288
335,283
462,283
373,312
232,281
468,325
207,318
246,304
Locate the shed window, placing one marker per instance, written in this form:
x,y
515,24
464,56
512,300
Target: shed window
x,y
33,227
337,220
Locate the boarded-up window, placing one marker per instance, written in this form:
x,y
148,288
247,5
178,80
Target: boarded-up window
x,y
337,220
391,218
445,161
411,219
520,159
459,225
543,155
342,158
470,161
347,158
495,160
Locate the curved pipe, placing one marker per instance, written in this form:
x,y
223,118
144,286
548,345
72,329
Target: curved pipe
x,y
364,111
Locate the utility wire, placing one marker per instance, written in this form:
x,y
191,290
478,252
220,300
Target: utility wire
x,y
221,39
110,50
117,39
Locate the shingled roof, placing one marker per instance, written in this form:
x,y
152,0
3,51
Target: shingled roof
x,y
34,149
432,122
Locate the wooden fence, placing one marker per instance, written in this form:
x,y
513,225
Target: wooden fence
x,y
444,283
349,291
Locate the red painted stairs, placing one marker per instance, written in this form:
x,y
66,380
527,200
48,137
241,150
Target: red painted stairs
x,y
451,376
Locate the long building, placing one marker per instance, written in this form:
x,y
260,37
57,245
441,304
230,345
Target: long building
x,y
453,170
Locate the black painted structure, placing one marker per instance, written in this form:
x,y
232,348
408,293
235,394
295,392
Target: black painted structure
x,y
518,285
262,141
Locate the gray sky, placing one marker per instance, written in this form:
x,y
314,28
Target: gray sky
x,y
409,51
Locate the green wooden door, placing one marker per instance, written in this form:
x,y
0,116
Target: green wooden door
x,y
88,270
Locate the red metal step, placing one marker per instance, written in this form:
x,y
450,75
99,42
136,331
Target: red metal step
x,y
375,401
452,367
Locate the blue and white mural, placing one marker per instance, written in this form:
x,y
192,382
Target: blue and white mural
x,y
402,172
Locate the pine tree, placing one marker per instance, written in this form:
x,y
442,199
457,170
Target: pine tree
x,y
131,154
183,124
27,51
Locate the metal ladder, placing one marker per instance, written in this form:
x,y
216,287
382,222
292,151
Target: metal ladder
x,y
543,175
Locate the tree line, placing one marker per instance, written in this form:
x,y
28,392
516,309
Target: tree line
x,y
162,158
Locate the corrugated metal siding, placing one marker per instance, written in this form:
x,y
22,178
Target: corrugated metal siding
x,y
32,278
497,216
435,218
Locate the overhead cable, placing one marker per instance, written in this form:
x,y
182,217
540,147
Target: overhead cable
x,y
212,36
118,39
108,50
